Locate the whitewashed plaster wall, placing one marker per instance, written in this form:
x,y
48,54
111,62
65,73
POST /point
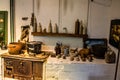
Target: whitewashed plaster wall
x,y
98,24
5,6
114,13
49,10
99,21
99,17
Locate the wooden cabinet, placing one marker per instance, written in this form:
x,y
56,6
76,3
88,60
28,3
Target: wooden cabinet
x,y
38,70
23,69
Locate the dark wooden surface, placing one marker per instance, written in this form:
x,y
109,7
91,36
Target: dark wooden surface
x,y
59,34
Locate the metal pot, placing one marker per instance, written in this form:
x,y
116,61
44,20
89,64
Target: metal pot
x,y
34,47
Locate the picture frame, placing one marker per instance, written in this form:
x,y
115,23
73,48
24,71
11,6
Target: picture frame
x,y
88,43
114,36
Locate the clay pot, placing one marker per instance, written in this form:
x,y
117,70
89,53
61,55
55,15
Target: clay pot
x,y
15,48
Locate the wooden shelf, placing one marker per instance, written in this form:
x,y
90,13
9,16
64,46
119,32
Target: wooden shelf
x,y
59,34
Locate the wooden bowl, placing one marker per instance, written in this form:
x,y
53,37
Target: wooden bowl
x,y
15,48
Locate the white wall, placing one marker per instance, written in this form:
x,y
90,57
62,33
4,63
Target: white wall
x,y
49,10
114,13
5,6
70,11
99,17
23,9
100,14
99,21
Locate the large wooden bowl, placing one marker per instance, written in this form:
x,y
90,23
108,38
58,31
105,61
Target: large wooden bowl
x,y
15,48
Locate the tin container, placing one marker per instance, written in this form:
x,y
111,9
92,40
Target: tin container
x,y
34,47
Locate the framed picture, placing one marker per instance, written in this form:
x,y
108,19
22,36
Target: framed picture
x,y
97,47
88,43
114,37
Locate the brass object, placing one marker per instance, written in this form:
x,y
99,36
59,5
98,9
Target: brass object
x,y
1,20
84,53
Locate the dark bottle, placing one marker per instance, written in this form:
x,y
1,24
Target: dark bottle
x,y
32,19
58,49
35,25
77,26
55,28
50,27
40,27
81,27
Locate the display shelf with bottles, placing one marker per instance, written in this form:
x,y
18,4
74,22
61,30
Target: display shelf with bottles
x,y
59,34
